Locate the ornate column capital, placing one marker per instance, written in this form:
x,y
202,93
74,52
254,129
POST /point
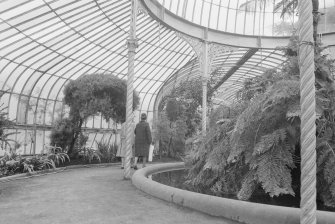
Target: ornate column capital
x,y
132,44
141,8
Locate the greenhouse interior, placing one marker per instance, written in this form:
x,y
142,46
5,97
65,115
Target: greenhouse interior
x,y
238,95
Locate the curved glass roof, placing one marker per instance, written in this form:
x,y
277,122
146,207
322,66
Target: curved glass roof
x,y
46,43
249,17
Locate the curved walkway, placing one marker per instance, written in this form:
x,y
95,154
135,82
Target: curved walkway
x,y
88,195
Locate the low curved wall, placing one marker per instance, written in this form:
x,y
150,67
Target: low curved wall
x,y
242,211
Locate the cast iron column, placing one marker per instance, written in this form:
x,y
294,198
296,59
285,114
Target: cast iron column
x,y
132,45
307,103
205,65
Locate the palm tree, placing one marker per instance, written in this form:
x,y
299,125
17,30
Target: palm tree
x,y
287,7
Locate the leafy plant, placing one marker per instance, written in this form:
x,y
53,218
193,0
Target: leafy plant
x,y
257,144
180,118
5,123
89,154
286,7
58,157
93,94
184,102
107,151
172,136
62,133
12,163
36,162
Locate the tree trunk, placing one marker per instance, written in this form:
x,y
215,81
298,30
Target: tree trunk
x,y
76,133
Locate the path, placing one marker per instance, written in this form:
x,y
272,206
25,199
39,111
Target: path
x,y
88,195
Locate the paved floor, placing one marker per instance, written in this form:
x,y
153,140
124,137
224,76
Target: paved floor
x,y
88,195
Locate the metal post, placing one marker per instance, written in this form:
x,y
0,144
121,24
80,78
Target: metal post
x,y
307,102
132,45
204,86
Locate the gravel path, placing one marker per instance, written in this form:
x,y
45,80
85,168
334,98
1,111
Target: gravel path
x,y
88,195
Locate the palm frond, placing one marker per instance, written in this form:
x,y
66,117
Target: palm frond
x,y
286,7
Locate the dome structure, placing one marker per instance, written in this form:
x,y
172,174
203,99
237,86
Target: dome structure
x,y
261,18
46,43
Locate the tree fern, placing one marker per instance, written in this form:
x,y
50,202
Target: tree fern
x,y
248,187
269,141
272,170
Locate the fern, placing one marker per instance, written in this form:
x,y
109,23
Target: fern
x,y
269,141
240,138
280,92
329,171
261,142
249,185
273,172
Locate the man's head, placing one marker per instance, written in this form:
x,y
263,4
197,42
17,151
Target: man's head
x,y
143,117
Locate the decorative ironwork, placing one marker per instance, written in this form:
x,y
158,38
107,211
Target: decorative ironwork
x,y
214,50
206,52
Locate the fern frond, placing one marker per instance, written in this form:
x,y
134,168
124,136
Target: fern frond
x,y
249,185
329,170
332,189
269,141
281,91
275,177
217,158
272,170
245,122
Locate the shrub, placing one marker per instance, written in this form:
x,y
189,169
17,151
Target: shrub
x,y
12,163
89,154
93,94
257,146
172,137
62,133
5,123
107,151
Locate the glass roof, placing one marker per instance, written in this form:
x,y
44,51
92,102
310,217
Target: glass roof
x,y
46,43
249,17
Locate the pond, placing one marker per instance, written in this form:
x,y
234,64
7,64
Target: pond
x,y
177,179
174,178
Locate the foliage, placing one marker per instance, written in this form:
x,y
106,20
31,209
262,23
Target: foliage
x,y
173,109
207,158
98,93
56,154
257,144
284,28
89,154
62,133
180,117
172,136
5,123
12,163
218,115
285,7
93,94
184,102
107,151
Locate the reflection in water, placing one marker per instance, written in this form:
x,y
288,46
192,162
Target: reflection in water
x,y
177,179
174,178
